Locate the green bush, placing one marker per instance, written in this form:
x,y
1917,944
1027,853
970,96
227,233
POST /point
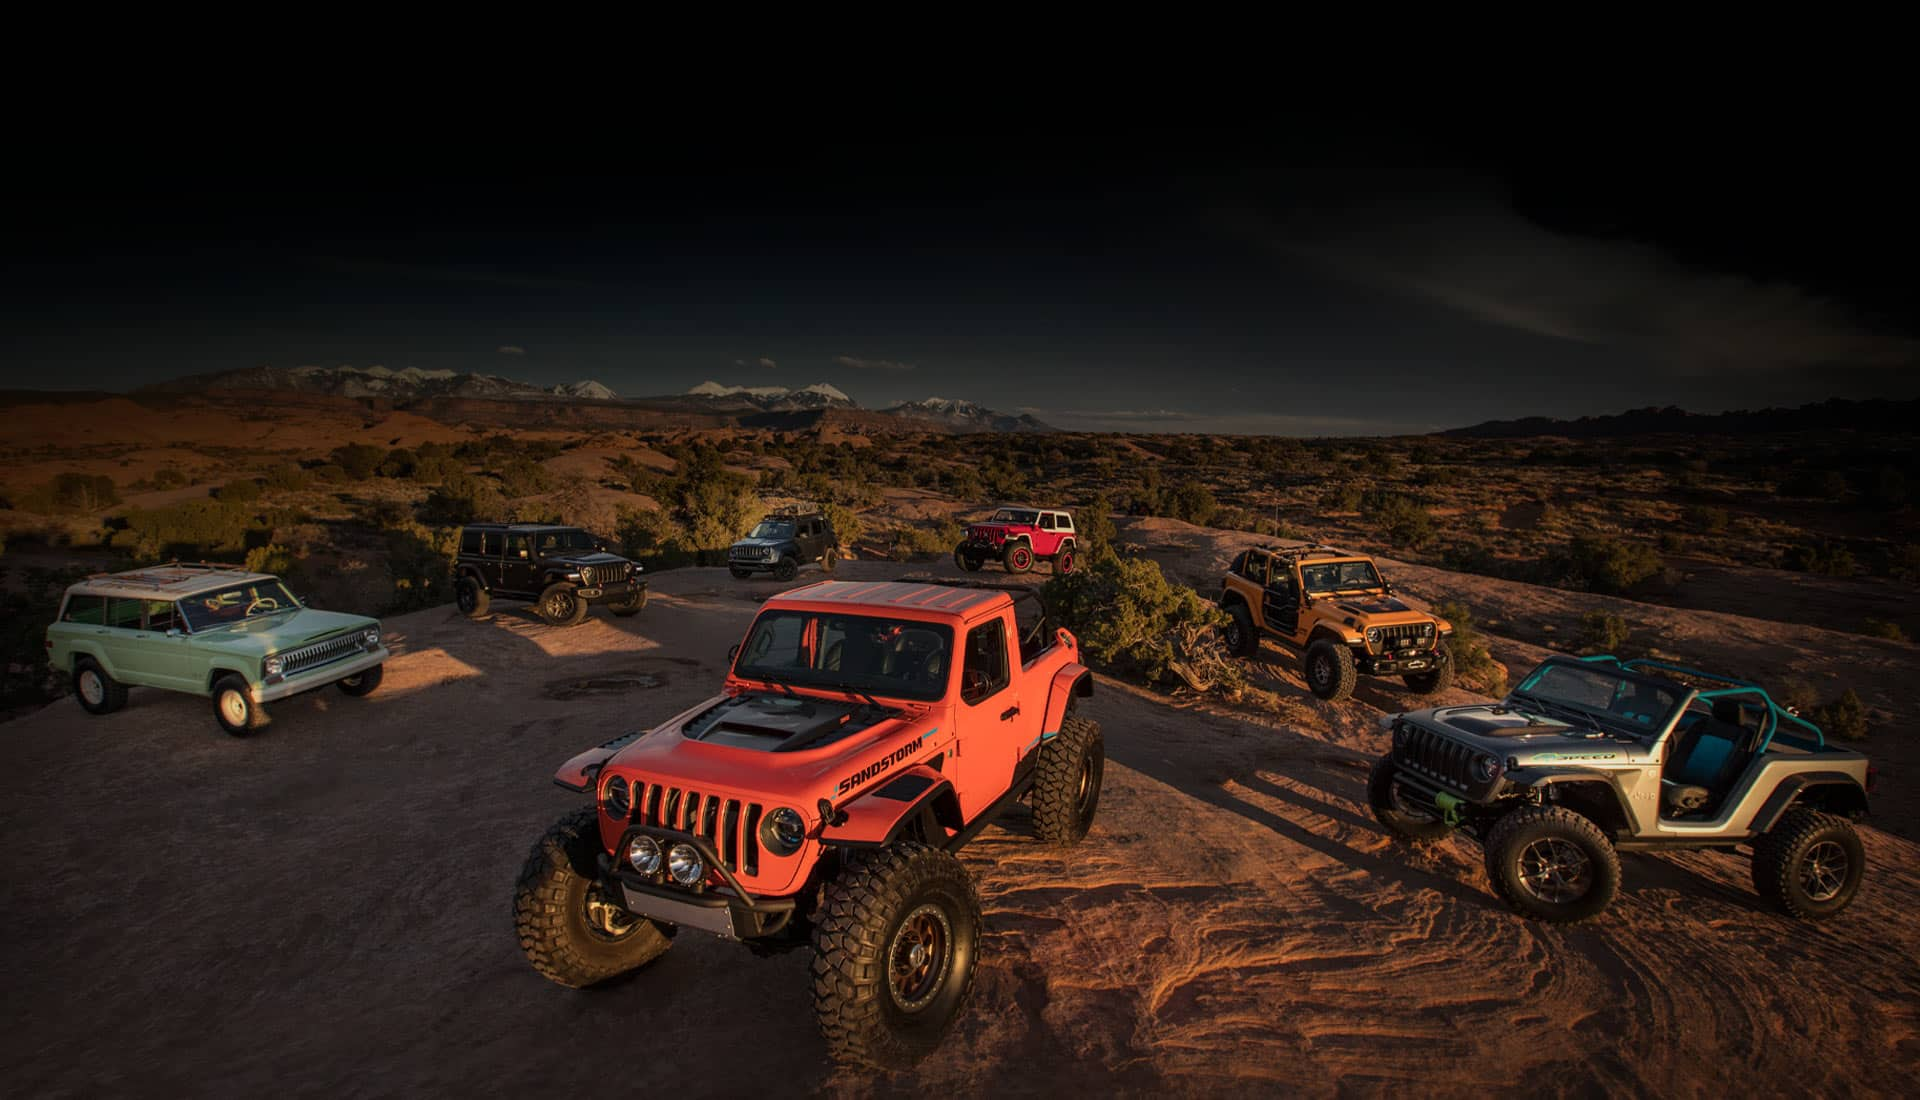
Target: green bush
x,y
71,493
1093,529
1706,518
242,491
1193,502
288,477
358,460
1473,666
169,477
1823,558
1603,632
420,566
1127,615
1343,497
1844,717
846,523
1599,563
523,477
271,558
189,529
463,498
1881,628
1404,522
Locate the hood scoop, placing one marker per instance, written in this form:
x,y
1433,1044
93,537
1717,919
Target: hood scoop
x,y
1501,722
1381,605
780,723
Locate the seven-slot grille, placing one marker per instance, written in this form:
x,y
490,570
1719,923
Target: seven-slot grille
x,y
732,827
1401,637
320,653
1439,757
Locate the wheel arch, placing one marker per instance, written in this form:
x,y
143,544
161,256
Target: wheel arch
x,y
1831,792
227,669
473,573
1593,798
916,798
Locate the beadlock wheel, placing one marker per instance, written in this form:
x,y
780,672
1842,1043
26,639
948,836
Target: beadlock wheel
x,y
921,955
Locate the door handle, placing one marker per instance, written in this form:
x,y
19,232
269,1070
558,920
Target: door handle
x,y
1007,714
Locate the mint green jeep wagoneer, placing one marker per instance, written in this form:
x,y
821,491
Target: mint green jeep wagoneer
x,y
239,638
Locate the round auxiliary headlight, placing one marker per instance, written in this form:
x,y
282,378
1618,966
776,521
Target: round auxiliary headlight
x,y
274,665
618,798
643,854
783,832
372,638
1373,634
1486,767
684,864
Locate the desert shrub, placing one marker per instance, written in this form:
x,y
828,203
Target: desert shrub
x,y
399,462
1093,529
27,607
523,477
287,477
1704,517
1904,563
386,514
846,523
428,469
420,567
1603,632
1823,558
1881,628
713,509
1601,563
1193,502
330,472
1128,616
240,491
271,558
652,538
70,493
463,498
1473,666
1843,717
910,540
1344,496
358,460
189,529
1403,521
169,477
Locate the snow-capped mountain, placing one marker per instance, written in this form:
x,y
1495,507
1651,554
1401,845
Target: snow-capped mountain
x,y
407,384
964,415
774,398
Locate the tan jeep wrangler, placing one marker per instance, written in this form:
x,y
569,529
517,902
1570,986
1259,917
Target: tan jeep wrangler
x,y
1334,610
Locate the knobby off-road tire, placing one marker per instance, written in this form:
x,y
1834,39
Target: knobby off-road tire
x,y
1017,557
1239,635
878,1002
1550,864
785,569
1063,563
234,708
739,574
98,692
1067,779
1414,826
827,559
1809,864
363,682
1328,670
569,932
1436,681
967,560
472,600
630,607
560,606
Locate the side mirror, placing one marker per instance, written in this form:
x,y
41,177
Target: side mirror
x,y
733,651
174,632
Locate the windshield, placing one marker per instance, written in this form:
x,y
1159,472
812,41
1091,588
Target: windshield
x,y
896,657
240,602
1015,516
1603,693
552,542
772,529
1336,576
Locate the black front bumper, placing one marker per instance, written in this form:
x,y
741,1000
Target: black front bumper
x,y
729,911
1397,664
622,591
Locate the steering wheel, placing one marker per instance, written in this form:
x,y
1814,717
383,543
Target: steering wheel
x,y
262,604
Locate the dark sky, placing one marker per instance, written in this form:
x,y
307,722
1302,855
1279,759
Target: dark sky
x,y
1299,277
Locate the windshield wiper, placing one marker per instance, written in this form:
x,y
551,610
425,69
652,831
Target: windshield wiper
x,y
851,690
776,681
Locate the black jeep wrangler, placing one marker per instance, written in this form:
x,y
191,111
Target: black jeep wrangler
x,y
563,570
782,543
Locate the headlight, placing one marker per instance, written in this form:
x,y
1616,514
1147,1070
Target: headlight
x,y
618,798
1486,767
769,553
683,863
274,665
372,638
586,574
643,855
1399,734
1426,630
1373,635
782,832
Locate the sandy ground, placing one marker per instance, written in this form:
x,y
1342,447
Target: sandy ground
x,y
324,910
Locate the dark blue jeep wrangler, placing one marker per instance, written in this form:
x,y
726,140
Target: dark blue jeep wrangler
x,y
781,543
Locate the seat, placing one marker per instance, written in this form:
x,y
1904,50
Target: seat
x,y
1707,756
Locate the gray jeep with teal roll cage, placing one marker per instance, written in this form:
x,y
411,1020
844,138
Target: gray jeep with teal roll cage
x,y
1589,756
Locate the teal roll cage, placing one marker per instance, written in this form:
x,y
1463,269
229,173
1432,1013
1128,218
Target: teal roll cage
x,y
1774,714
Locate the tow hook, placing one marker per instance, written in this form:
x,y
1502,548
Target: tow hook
x,y
1449,806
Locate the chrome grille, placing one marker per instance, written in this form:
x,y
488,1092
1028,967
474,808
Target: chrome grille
x,y
1437,757
320,653
726,823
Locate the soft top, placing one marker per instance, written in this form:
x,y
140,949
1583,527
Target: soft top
x,y
522,526
167,582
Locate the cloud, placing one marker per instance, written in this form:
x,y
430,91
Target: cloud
x,y
767,363
871,364
1482,260
1181,420
511,349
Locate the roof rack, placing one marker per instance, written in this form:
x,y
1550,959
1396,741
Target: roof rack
x,y
203,566
1300,553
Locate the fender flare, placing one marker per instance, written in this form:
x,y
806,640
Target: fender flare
x,y
1789,790
1336,635
78,649
473,571
876,818
1584,777
1072,680
215,671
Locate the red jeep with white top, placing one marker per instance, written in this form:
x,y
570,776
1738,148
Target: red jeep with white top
x,y
865,732
1016,538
